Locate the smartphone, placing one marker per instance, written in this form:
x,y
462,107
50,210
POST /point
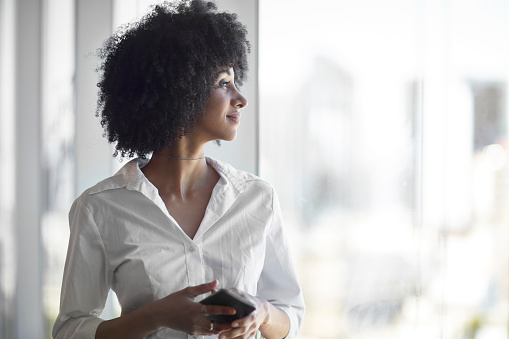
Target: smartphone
x,y
225,297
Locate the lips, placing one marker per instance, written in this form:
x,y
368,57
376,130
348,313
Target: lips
x,y
235,117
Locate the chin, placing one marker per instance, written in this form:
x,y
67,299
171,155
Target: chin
x,y
231,138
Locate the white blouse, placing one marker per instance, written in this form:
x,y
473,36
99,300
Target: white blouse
x,y
123,238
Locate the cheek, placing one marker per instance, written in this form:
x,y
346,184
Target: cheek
x,y
215,110
212,118
217,101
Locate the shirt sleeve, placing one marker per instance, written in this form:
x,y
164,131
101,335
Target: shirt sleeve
x,y
86,280
278,282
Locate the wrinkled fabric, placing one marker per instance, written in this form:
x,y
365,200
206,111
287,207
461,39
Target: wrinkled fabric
x,y
123,238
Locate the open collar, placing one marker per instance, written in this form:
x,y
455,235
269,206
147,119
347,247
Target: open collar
x,y
231,183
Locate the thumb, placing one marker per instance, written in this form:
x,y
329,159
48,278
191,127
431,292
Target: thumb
x,y
194,291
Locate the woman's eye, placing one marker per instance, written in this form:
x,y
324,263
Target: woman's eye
x,y
224,84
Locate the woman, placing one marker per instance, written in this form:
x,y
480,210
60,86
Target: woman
x,y
166,231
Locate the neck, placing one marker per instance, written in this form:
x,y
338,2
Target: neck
x,y
171,171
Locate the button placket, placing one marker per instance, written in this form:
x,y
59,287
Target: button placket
x,y
199,253
194,264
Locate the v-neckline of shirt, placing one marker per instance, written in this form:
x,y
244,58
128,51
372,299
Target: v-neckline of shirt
x,y
222,198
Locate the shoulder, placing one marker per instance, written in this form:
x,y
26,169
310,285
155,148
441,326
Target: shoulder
x,y
112,183
100,195
242,180
95,198
129,176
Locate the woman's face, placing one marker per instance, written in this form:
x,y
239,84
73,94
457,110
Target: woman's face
x,y
222,111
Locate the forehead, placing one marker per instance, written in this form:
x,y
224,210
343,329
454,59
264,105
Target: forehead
x,y
225,71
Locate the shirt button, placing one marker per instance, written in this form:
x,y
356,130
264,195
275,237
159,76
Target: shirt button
x,y
192,249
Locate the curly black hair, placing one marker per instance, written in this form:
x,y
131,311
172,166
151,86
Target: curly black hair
x,y
156,74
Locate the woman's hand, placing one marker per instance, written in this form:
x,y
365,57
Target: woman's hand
x,y
177,311
248,326
180,312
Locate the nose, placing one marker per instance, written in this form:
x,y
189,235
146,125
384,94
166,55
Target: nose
x,y
239,100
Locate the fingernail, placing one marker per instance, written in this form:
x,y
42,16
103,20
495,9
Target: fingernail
x,y
235,324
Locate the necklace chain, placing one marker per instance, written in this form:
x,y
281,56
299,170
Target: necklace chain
x,y
169,156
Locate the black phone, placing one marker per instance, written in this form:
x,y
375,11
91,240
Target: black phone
x,y
225,297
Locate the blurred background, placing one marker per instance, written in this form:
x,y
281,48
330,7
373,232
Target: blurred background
x,y
382,125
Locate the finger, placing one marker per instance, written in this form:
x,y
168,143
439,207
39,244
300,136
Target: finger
x,y
204,310
220,310
216,328
242,322
236,333
222,327
194,291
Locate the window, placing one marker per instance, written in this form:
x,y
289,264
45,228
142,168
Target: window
x,y
383,128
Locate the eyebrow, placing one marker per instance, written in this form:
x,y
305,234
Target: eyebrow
x,y
226,70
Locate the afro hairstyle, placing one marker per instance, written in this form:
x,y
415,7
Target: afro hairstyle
x,y
156,74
